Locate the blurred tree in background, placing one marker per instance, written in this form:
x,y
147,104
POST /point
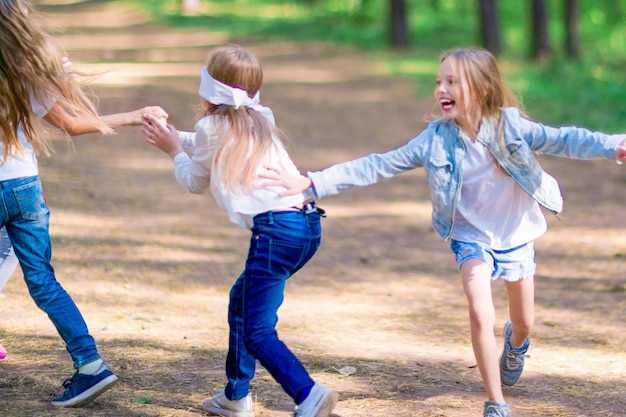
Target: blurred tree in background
x,y
541,29
582,43
572,39
540,44
489,26
399,30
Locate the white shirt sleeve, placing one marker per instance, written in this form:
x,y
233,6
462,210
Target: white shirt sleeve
x,y
187,140
41,109
194,173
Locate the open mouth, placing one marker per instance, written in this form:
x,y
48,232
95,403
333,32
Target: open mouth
x,y
446,104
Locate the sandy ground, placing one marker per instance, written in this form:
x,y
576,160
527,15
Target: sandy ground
x,y
150,265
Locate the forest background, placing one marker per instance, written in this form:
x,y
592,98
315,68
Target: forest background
x,y
554,87
379,312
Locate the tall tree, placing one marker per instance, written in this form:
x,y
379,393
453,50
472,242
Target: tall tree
x,y
540,48
572,41
489,28
399,30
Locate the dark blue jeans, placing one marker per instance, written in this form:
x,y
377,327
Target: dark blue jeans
x,y
281,243
25,214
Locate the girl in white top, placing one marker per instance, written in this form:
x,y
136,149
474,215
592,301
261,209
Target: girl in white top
x,y
232,143
486,187
37,83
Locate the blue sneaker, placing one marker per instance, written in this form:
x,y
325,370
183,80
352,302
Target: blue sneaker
x,y
81,389
494,409
512,358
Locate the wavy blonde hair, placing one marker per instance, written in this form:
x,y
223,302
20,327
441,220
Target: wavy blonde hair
x,y
487,89
31,66
244,135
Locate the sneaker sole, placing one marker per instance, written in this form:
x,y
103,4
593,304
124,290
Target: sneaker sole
x,y
215,411
225,413
89,395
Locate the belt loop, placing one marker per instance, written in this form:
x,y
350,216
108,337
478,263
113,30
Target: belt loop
x,y
270,217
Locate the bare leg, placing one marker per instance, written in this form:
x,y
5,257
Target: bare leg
x,y
521,309
476,277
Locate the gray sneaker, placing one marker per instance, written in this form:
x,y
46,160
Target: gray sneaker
x,y
494,409
512,359
319,403
219,405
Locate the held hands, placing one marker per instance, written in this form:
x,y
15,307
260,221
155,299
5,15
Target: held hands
x,y
278,177
161,135
138,116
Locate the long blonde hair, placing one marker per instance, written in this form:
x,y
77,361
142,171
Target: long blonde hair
x,y
244,135
487,89
31,67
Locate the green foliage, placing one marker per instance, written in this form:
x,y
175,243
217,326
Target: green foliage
x,y
587,92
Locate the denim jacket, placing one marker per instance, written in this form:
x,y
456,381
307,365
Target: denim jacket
x,y
440,150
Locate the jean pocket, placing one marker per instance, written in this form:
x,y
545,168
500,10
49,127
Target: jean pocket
x,y
30,200
284,256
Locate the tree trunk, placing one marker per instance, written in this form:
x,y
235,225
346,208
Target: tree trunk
x,y
540,44
489,26
572,41
399,32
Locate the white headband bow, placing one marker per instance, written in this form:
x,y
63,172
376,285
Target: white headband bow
x,y
216,92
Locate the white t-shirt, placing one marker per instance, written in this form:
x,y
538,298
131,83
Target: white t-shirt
x,y
493,209
195,174
25,164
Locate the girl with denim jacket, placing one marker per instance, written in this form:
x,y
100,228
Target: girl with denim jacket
x,y
232,142
486,188
37,82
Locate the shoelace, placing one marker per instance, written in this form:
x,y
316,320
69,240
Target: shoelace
x,y
514,360
67,383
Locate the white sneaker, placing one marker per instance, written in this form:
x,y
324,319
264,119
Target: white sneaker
x,y
319,403
219,405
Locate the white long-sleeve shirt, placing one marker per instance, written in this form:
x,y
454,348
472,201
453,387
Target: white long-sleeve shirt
x,y
196,173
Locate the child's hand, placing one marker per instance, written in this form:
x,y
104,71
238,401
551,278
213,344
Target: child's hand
x,y
280,178
162,136
157,112
620,152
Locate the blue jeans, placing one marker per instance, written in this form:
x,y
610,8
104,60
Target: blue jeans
x,y
24,213
281,243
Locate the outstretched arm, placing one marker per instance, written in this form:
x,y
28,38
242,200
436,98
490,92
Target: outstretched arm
x,y
359,172
76,125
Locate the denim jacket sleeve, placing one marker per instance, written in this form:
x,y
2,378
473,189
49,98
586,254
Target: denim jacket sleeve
x,y
372,168
567,141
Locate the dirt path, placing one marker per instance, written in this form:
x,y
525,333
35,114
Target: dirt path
x,y
151,265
